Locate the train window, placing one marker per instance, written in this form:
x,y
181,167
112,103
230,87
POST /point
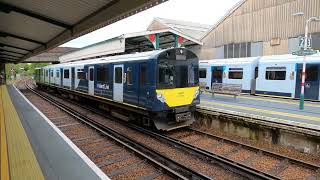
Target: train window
x,y
47,73
129,76
165,75
143,74
66,73
276,73
235,73
51,73
102,74
256,72
203,73
90,74
57,73
80,74
118,75
311,73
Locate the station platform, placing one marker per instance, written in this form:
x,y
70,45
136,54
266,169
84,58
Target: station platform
x,y
286,110
33,148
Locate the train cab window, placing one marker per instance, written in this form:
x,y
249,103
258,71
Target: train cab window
x,y
235,73
165,75
118,75
143,74
276,73
102,74
66,73
129,76
203,73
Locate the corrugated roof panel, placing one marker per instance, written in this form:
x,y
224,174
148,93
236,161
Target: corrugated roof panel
x,y
19,43
70,11
24,26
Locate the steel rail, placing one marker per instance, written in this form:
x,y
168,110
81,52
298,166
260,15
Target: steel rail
x,y
225,162
263,151
175,169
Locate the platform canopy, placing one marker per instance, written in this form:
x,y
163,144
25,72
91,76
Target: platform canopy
x,y
29,28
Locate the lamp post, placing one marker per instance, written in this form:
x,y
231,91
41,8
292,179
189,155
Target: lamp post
x,y
305,48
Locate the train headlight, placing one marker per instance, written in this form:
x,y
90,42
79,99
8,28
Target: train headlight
x,y
161,98
196,94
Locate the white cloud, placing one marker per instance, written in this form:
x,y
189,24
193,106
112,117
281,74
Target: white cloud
x,y
199,11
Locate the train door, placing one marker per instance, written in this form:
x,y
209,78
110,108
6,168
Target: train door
x,y
91,80
217,73
143,85
72,78
118,83
311,86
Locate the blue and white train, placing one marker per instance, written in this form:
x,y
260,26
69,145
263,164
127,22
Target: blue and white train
x,y
159,87
278,75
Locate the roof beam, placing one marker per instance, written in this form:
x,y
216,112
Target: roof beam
x,y
8,51
7,8
1,54
3,45
5,34
5,56
8,58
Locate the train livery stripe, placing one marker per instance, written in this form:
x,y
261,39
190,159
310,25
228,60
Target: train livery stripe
x,y
311,118
178,96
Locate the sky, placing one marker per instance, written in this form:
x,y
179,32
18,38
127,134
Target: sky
x,y
198,11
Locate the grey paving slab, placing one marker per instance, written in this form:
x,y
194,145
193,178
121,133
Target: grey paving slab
x,y
55,156
269,107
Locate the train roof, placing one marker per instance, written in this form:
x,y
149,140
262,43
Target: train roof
x,y
289,58
111,59
247,60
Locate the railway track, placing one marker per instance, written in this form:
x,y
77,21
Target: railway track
x,y
117,155
209,158
271,163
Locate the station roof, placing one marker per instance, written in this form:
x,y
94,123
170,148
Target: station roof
x,y
29,28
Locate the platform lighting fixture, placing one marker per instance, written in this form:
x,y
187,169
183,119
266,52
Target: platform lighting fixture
x,y
305,48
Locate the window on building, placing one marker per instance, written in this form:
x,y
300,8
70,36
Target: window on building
x,y
66,73
235,73
203,73
143,74
118,75
102,74
129,76
243,50
276,73
237,50
80,74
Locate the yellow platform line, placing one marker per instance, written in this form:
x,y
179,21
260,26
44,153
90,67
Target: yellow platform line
x,y
4,172
298,116
22,161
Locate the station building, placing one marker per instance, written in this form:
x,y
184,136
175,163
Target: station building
x,y
259,28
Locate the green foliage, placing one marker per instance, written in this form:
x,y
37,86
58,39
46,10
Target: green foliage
x,y
22,68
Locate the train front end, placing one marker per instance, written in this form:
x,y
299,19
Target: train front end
x,y
177,89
